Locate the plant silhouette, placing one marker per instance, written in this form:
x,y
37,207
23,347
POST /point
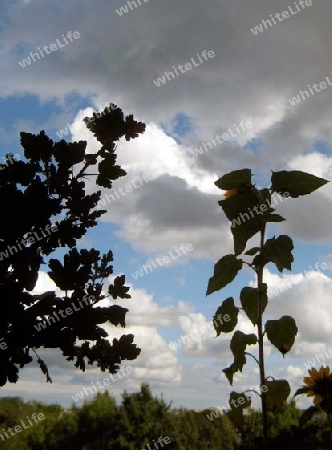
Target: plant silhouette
x,y
47,192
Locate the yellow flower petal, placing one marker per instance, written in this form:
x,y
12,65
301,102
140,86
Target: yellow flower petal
x,y
230,193
313,372
309,381
317,399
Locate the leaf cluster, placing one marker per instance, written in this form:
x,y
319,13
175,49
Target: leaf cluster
x,y
49,189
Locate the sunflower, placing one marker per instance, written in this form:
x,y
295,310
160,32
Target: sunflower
x,y
319,384
230,193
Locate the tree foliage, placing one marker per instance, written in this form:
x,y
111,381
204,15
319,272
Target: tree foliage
x,y
101,424
49,189
140,418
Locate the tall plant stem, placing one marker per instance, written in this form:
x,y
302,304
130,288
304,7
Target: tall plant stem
x,y
261,339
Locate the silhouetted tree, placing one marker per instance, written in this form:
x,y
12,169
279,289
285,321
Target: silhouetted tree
x,y
48,190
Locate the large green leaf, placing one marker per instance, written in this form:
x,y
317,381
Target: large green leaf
x,y
240,340
225,318
249,302
276,394
237,208
295,183
242,210
238,402
235,179
281,333
229,372
225,270
243,233
302,390
252,251
279,251
274,218
238,346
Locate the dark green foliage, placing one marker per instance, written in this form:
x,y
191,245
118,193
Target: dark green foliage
x,y
225,270
238,346
279,251
146,418
101,424
235,180
227,308
197,432
277,394
49,189
249,302
233,208
281,333
97,423
284,431
295,183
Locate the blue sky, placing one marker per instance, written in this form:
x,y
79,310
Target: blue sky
x,y
251,78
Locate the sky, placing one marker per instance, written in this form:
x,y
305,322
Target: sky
x,y
237,74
